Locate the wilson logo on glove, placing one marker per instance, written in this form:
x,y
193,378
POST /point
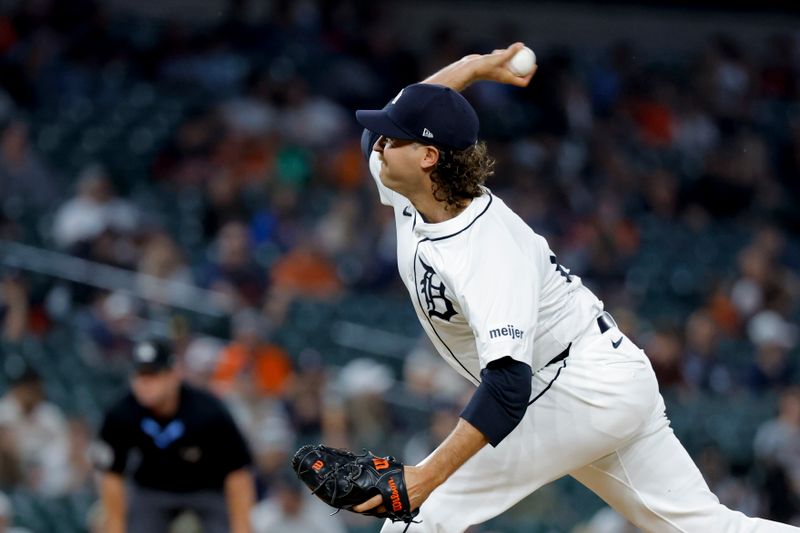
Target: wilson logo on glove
x,y
349,480
397,505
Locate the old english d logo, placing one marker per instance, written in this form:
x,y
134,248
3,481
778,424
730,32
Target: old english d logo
x,y
433,290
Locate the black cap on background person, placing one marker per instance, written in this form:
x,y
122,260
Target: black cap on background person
x,y
152,356
155,382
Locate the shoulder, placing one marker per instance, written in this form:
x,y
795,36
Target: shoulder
x,y
502,228
200,397
203,402
124,408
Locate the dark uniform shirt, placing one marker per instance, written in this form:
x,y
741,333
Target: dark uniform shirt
x,y
191,451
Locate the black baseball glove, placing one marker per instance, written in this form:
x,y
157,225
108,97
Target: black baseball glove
x,y
343,480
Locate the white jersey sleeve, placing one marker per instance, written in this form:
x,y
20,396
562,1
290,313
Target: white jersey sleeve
x,y
499,300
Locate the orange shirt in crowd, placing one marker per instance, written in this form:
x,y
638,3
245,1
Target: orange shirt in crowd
x,y
305,273
268,365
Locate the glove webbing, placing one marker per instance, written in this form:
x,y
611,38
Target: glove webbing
x,y
334,471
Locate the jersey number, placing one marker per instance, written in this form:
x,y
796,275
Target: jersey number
x,y
560,269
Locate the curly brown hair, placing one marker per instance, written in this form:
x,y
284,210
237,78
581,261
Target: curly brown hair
x,y
459,174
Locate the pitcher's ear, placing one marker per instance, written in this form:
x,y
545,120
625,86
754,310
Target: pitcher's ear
x,y
430,158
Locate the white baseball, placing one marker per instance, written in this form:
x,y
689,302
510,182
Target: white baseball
x,y
522,63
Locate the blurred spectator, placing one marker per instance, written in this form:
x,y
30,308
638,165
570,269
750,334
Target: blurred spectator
x,y
771,369
306,271
337,229
665,352
427,376
273,446
80,465
293,510
443,418
756,270
233,269
110,321
702,367
200,360
306,394
224,190
777,447
773,338
251,114
95,209
11,473
13,308
163,274
24,178
311,119
251,365
769,327
39,433
7,517
362,383
303,272
212,65
697,132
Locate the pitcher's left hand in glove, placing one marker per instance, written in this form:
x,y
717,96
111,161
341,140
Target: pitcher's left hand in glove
x,y
344,480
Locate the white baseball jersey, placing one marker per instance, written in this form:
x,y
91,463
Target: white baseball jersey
x,y
485,286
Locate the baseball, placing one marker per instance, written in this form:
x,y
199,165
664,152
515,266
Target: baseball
x,y
522,63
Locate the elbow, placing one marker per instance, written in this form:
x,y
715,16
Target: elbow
x,y
501,400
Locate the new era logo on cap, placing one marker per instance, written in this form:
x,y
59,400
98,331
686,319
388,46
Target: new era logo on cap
x,y
421,109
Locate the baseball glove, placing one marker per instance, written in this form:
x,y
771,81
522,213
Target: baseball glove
x,y
343,480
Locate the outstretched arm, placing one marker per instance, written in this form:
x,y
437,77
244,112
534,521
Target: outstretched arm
x,y
494,411
462,443
481,67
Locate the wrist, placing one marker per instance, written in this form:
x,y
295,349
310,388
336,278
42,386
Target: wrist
x,y
470,66
458,75
432,475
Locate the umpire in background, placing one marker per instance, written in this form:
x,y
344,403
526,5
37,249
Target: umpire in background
x,y
181,448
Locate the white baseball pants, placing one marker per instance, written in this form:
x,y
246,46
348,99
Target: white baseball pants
x,y
601,420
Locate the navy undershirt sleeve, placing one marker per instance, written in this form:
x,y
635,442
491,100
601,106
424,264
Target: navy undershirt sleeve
x,y
368,139
500,400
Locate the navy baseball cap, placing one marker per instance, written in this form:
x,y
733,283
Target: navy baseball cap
x,y
428,113
152,356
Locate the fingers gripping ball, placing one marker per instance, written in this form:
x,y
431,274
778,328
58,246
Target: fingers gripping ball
x,y
343,480
521,64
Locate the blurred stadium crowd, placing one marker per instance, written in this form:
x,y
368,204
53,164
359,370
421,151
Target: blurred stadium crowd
x,y
219,168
